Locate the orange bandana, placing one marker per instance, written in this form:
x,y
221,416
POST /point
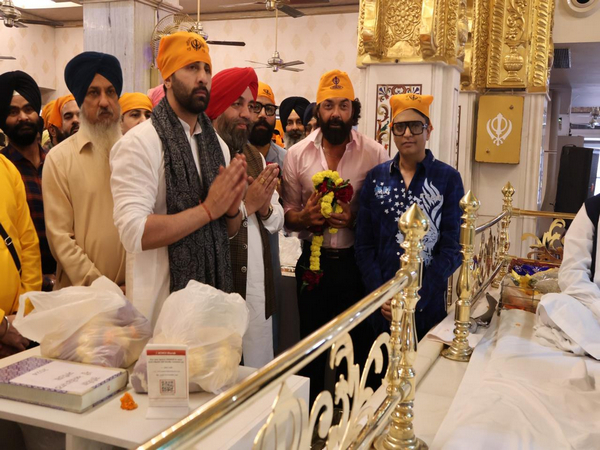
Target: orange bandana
x,y
46,111
134,100
335,83
180,49
402,102
264,90
56,114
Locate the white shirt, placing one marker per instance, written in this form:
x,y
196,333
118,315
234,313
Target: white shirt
x,y
258,340
139,190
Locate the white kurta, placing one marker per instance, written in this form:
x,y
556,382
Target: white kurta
x,y
258,340
139,190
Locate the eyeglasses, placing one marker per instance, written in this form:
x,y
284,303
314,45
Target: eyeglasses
x,y
416,128
270,110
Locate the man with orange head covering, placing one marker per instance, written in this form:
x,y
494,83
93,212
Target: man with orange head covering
x,y
335,146
413,176
63,120
264,127
177,191
136,108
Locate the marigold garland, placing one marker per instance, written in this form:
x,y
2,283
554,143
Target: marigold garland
x,y
333,189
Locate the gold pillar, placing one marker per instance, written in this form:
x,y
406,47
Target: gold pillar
x,y
414,225
504,241
460,350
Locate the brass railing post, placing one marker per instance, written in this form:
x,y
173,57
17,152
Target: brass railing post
x,y
414,225
460,350
504,242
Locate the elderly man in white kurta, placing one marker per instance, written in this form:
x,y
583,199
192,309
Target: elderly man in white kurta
x,y
233,110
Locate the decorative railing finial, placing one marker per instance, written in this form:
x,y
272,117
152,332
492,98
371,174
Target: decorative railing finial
x,y
504,243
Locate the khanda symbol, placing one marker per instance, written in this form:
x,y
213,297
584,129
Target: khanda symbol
x,y
499,128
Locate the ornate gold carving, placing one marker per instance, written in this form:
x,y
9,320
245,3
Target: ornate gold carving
x,y
550,247
504,243
495,47
542,48
460,349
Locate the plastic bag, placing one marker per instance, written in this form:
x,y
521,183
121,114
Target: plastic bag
x,y
211,323
94,324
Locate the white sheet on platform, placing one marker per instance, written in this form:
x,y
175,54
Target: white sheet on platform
x,y
519,394
444,331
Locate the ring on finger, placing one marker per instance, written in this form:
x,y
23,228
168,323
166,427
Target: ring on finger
x,y
262,180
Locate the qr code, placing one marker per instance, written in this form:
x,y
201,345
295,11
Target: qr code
x,y
167,387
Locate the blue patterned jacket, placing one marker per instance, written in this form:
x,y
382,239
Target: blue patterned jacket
x,y
437,188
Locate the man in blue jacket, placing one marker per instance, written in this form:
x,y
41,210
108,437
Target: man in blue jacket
x,y
413,176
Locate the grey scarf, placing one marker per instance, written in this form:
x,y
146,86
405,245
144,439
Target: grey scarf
x,y
204,254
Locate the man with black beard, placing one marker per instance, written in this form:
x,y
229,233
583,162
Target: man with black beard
x,y
77,198
334,146
177,191
21,100
291,114
262,133
233,109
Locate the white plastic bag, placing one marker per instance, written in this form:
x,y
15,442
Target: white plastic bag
x,y
211,323
94,324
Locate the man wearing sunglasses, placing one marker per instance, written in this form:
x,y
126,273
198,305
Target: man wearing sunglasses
x,y
262,133
413,176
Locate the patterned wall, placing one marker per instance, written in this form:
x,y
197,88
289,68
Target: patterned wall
x,y
42,52
322,42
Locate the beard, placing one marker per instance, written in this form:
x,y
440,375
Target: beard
x,y
335,130
22,134
187,98
292,137
234,137
103,134
262,132
61,134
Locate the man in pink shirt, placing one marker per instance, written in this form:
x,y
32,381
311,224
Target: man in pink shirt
x,y
334,145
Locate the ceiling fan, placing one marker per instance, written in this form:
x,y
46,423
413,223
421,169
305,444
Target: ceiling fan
x,y
285,6
275,62
7,57
11,16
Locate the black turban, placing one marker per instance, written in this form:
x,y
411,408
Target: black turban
x,y
24,85
308,114
82,69
290,104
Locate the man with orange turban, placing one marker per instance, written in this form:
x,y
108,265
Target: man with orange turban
x,y
335,146
262,132
176,190
63,120
413,176
136,108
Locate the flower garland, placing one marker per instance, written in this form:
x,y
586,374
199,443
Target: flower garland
x,y
333,189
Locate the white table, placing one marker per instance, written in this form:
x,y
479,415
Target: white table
x,y
107,425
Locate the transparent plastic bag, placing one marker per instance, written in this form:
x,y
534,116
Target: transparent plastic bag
x,y
94,324
211,323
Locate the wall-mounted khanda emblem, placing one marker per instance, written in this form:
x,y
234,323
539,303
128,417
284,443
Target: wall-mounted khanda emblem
x,y
499,129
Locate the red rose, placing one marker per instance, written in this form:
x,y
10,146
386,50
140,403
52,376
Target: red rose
x,y
345,194
311,279
323,187
317,229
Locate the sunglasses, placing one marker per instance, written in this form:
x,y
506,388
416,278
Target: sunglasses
x,y
416,128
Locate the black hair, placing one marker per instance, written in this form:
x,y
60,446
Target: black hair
x,y
422,115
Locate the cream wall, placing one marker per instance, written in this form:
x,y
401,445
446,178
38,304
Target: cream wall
x,y
42,52
323,42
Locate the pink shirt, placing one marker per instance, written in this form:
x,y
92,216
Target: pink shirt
x,y
306,158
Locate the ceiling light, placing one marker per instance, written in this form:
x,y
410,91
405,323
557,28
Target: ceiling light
x,y
43,4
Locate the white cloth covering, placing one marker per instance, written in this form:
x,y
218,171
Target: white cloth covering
x,y
518,394
139,190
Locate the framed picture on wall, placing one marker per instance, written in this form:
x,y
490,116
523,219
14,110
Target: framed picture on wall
x,y
383,110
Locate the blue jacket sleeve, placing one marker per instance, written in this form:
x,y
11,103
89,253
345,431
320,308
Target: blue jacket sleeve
x,y
364,239
448,257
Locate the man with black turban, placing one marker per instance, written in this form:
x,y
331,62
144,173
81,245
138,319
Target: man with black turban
x,y
309,120
20,101
79,205
291,113
176,202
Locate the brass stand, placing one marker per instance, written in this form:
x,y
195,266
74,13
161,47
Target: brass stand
x,y
504,242
460,350
414,225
